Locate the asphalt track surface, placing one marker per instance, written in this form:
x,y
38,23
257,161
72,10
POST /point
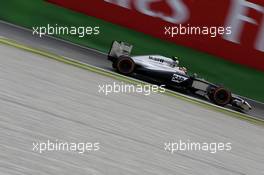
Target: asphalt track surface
x,y
42,99
82,54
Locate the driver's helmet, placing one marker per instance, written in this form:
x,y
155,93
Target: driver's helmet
x,y
175,62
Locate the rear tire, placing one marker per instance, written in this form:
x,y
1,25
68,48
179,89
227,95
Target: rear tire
x,y
220,96
124,65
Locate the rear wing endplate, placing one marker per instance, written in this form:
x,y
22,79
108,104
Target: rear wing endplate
x,y
120,49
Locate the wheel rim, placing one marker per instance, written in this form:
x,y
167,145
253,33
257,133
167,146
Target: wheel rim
x,y
222,97
125,66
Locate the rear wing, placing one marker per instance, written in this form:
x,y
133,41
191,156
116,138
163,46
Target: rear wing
x,y
119,49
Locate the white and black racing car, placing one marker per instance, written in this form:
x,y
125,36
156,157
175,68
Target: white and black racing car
x,y
166,71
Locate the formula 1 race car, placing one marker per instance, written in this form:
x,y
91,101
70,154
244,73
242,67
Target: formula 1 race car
x,y
166,70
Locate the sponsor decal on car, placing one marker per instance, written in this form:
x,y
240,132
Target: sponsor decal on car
x,y
178,78
156,59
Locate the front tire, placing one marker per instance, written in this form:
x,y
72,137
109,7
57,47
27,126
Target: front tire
x,y
220,96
